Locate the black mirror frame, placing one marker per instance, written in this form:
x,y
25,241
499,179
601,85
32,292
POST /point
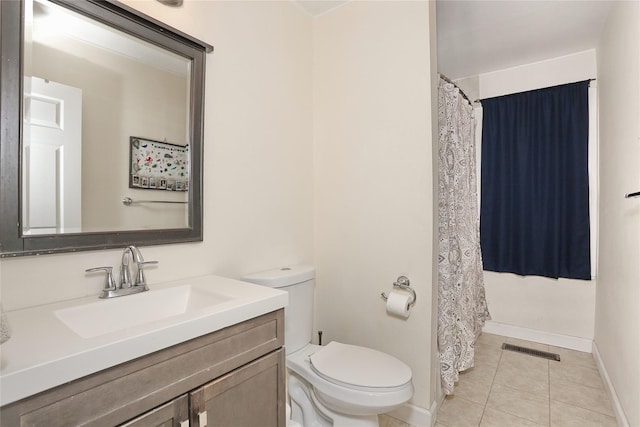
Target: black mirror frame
x,y
124,18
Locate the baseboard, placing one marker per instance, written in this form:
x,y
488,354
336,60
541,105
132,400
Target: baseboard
x,y
416,415
615,402
565,341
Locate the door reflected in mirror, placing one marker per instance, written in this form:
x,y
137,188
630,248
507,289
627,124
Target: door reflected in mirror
x,y
89,88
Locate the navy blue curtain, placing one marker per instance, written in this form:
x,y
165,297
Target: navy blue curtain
x,y
534,213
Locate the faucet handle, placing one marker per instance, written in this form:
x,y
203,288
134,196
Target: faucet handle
x,y
140,279
147,262
109,283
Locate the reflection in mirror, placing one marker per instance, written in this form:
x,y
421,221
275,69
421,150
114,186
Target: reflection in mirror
x,y
89,88
81,80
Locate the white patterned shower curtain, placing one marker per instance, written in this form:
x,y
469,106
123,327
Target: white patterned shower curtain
x,y
462,307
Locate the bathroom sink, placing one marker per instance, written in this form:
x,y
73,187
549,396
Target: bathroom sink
x,y
54,344
106,316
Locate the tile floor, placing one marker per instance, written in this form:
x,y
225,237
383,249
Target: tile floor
x,y
509,389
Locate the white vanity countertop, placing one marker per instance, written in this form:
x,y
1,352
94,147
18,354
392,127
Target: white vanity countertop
x,y
44,352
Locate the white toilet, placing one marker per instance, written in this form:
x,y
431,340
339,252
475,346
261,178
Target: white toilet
x,y
337,384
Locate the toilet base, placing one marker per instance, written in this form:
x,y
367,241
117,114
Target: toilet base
x,y
309,412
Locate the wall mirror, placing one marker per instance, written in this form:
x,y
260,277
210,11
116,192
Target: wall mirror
x,y
102,128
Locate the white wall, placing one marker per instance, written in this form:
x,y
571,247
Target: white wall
x,y
617,328
564,306
373,83
117,95
370,117
258,160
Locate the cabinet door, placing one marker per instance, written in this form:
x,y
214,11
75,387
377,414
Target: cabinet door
x,y
253,395
172,414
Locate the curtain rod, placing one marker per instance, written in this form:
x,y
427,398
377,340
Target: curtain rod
x,y
446,79
589,80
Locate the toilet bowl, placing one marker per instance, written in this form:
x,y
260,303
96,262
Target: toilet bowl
x,y
353,380
337,384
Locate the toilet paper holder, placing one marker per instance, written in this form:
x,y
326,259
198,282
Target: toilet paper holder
x,y
403,283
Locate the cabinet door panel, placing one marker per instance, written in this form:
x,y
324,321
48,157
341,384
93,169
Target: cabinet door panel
x,y
171,414
250,396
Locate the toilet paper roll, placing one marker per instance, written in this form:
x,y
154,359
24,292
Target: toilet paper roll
x,y
398,304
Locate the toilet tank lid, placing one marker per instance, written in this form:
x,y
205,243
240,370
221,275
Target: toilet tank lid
x,y
281,277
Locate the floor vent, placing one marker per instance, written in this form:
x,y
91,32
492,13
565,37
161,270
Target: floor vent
x,y
532,352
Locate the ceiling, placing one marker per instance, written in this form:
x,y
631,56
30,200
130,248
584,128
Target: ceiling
x,y
479,36
54,25
318,7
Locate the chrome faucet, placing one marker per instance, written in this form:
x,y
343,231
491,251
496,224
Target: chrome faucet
x,y
136,255
125,270
111,288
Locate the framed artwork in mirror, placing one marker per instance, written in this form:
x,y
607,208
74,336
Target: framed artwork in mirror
x,y
155,165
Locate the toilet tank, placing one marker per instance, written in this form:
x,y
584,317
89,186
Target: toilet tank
x,y
298,281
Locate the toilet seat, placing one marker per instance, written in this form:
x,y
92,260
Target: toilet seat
x,y
341,396
360,368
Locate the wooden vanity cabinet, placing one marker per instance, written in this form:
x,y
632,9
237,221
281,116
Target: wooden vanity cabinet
x,y
232,377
